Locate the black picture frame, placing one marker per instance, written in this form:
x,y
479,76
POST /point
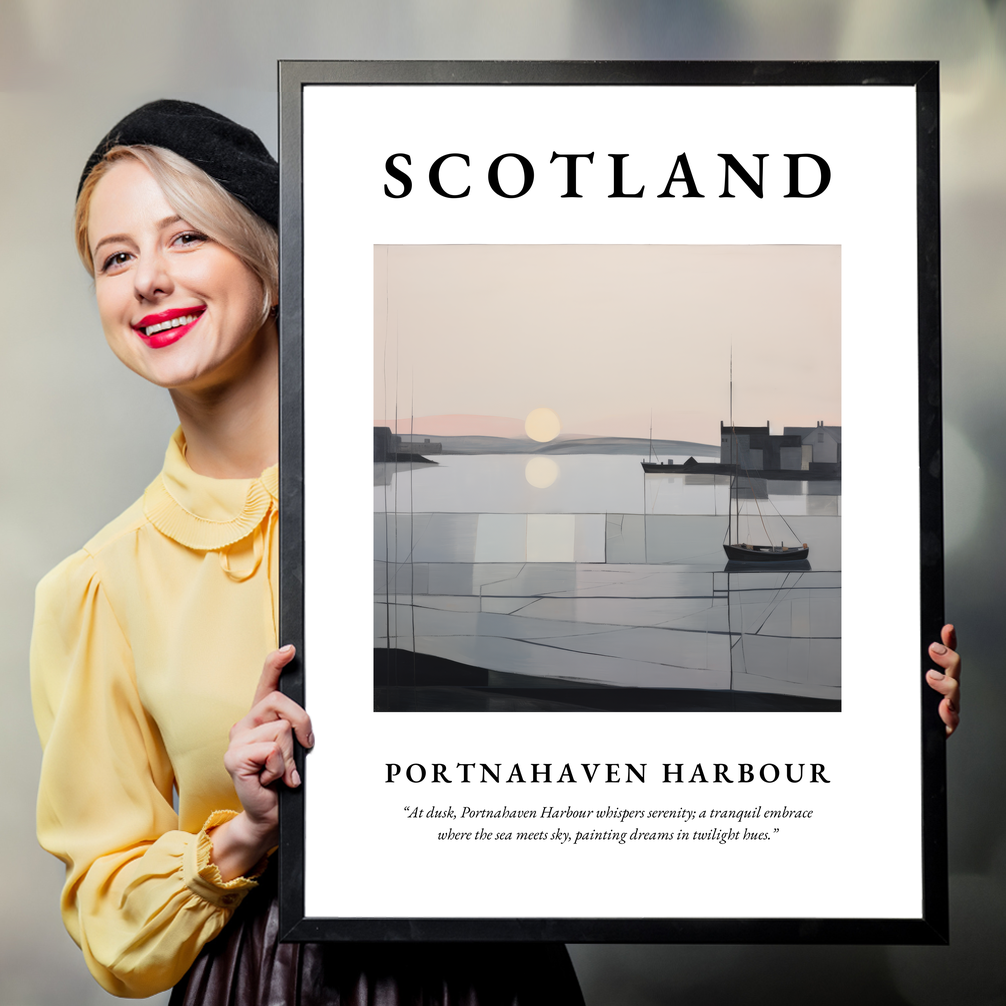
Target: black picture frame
x,y
931,925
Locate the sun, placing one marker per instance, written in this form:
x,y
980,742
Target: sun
x,y
542,425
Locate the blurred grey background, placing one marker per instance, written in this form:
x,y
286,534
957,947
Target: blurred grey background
x,y
82,436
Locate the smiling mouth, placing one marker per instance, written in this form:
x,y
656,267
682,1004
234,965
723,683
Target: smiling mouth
x,y
167,327
169,323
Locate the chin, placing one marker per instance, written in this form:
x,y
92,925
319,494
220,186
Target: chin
x,y
195,365
175,374
171,367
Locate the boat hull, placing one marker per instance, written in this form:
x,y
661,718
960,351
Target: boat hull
x,y
831,473
765,553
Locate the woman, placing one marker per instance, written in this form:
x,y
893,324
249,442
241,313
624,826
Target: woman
x,y
149,642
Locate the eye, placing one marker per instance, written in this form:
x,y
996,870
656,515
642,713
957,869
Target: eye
x,y
115,261
189,239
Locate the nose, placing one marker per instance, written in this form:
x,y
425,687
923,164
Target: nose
x,y
152,276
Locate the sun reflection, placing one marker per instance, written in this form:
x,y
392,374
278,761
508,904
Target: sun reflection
x,y
541,472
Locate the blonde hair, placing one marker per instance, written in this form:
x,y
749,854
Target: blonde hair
x,y
199,200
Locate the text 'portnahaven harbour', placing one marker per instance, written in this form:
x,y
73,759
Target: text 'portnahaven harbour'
x,y
606,772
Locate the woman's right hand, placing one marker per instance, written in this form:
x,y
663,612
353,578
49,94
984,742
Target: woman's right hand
x,y
260,753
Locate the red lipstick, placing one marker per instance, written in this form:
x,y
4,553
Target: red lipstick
x,y
167,330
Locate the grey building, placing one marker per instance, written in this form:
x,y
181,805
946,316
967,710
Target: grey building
x,y
756,449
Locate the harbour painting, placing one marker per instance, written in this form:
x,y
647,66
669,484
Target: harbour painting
x,y
607,478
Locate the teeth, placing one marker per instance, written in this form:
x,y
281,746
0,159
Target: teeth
x,y
173,323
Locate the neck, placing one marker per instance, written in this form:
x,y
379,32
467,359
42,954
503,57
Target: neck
x,y
231,426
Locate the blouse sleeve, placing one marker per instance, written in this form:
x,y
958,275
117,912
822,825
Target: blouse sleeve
x,y
141,898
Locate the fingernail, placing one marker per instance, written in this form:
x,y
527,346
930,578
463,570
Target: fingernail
x,y
295,777
310,740
287,649
936,675
938,648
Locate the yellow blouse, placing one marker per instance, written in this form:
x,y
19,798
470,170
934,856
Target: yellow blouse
x,y
147,647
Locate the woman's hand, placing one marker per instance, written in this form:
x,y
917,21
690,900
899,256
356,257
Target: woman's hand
x,y
260,754
947,682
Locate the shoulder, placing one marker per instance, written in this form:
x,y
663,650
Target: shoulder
x,y
77,572
125,525
116,537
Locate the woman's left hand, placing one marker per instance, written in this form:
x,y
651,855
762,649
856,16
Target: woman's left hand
x,y
948,681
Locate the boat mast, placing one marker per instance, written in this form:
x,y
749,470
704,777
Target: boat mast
x,y
733,451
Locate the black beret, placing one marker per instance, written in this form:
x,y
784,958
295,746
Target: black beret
x,y
230,154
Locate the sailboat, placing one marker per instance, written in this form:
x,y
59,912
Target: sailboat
x,y
738,551
744,552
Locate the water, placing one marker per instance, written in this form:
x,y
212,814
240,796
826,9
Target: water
x,y
577,483
582,569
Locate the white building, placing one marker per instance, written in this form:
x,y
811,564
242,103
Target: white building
x,y
825,442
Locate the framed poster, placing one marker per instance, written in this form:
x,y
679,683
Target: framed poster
x,y
612,526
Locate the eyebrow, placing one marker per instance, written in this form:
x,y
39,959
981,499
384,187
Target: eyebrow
x,y
111,238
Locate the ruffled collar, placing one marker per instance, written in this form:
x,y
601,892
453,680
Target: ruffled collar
x,y
203,513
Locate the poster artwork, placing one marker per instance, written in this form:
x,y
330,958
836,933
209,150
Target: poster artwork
x,y
607,477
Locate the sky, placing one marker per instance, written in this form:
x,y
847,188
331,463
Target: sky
x,y
608,335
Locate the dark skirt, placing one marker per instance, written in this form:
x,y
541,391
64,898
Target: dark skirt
x,y
246,965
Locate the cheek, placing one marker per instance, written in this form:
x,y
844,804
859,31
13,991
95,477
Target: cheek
x,y
114,315
222,278
115,309
247,300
